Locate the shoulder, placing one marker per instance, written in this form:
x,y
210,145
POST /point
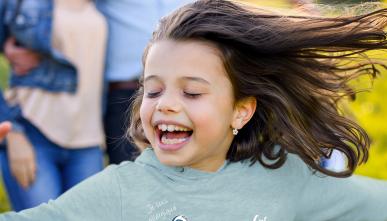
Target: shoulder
x,y
127,172
293,168
125,168
289,179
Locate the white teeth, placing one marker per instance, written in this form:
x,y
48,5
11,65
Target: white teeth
x,y
171,128
165,140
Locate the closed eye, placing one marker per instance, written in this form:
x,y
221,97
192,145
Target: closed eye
x,y
152,94
192,95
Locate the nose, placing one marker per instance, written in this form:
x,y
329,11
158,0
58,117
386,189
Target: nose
x,y
168,103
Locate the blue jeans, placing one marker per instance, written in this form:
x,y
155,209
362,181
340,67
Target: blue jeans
x,y
58,169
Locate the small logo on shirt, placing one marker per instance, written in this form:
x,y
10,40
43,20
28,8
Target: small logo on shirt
x,y
180,218
259,218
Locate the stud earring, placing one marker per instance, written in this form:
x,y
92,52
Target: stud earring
x,y
235,131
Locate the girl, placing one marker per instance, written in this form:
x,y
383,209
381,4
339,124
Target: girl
x,y
56,140
237,105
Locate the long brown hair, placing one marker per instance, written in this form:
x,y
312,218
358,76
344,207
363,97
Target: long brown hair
x,y
297,68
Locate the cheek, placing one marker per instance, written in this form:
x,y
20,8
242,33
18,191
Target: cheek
x,y
146,115
214,117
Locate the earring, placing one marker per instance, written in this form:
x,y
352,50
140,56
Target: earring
x,y
235,131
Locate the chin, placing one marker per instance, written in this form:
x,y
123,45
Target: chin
x,y
169,160
173,163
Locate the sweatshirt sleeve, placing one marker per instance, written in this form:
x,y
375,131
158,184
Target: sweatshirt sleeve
x,y
97,198
356,198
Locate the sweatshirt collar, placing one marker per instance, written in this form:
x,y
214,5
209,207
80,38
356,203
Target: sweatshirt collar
x,y
148,158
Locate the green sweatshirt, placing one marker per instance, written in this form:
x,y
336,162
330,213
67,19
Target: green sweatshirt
x,y
147,190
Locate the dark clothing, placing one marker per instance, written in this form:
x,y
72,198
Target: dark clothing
x,y
116,121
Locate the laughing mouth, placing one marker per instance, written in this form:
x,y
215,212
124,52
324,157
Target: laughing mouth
x,y
170,134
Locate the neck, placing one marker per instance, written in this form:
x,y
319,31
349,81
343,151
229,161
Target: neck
x,y
72,4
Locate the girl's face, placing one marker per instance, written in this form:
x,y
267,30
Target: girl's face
x,y
187,110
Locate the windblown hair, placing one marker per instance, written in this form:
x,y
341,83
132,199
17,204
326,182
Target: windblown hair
x,y
297,67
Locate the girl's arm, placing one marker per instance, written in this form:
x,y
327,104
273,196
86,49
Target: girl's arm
x,y
96,198
355,198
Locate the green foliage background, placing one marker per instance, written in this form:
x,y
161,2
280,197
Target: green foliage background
x,y
370,110
4,205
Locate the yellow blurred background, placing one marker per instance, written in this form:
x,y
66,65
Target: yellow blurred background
x,y
370,110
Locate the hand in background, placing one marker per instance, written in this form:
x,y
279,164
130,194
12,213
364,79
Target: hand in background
x,y
5,127
22,60
21,158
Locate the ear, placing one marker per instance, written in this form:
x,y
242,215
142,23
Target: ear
x,y
243,112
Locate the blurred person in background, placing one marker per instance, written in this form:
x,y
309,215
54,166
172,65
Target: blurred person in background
x,y
56,139
131,23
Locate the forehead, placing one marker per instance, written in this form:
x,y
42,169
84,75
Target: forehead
x,y
169,58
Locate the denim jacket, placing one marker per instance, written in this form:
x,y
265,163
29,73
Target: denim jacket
x,y
31,25
30,22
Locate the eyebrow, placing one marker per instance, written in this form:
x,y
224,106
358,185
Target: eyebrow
x,y
185,78
151,77
197,79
